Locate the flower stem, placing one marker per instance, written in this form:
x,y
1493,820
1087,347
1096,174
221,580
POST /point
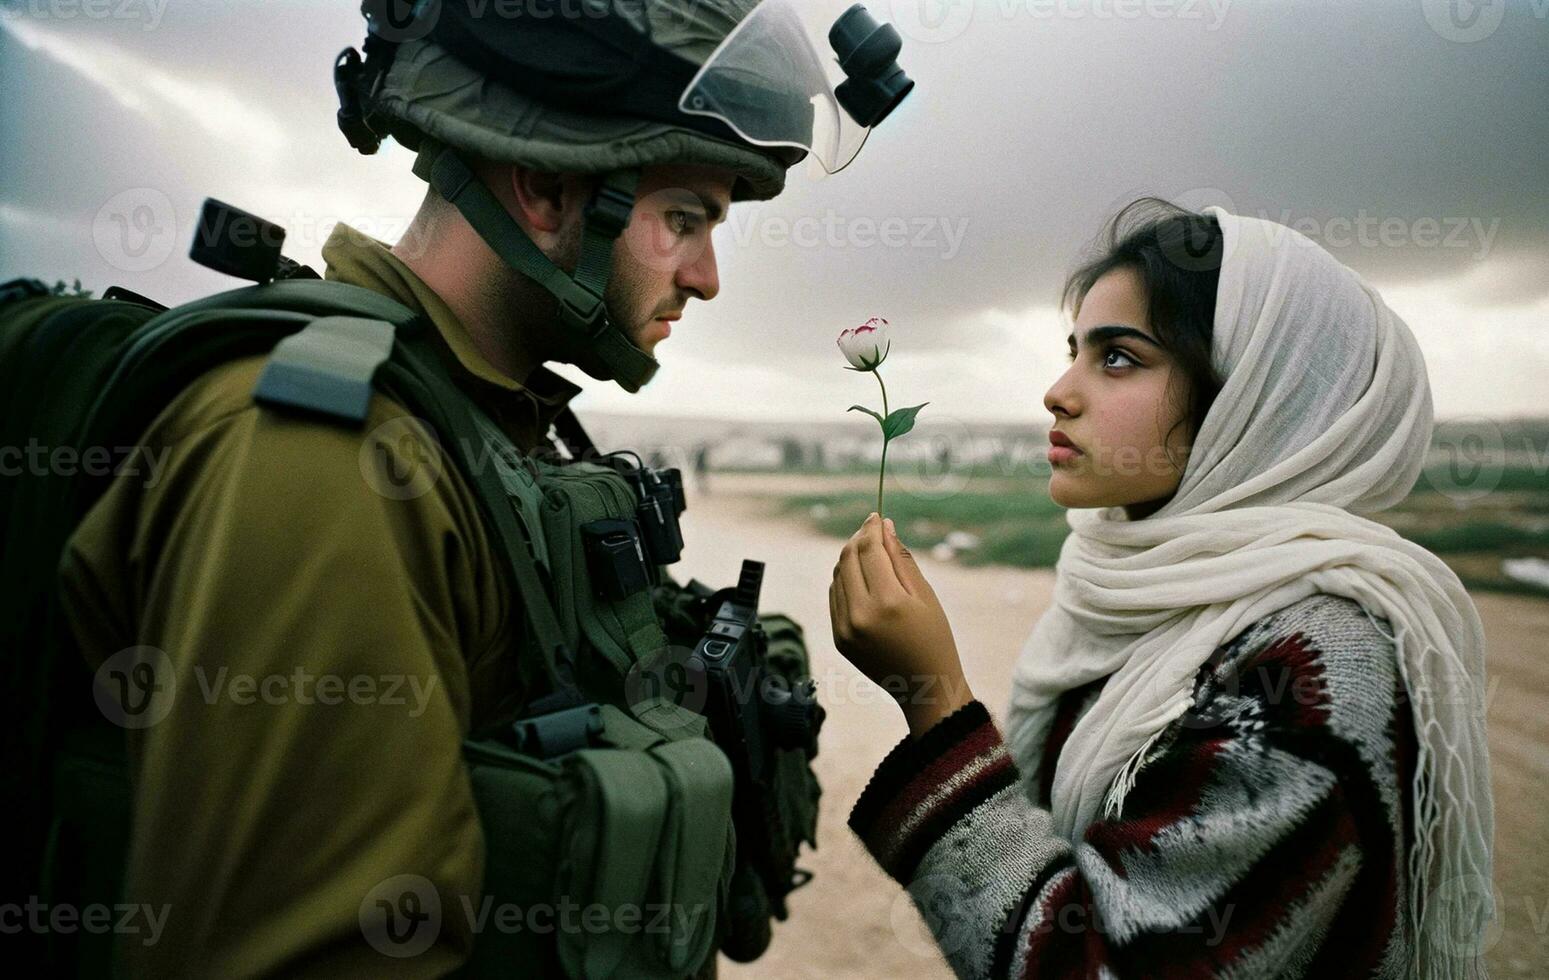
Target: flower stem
x,y
882,474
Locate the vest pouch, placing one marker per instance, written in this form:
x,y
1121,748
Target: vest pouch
x,y
620,631
591,855
696,853
522,803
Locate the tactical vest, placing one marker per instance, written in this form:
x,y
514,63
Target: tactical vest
x,y
666,764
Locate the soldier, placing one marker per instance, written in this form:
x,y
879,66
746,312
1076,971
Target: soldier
x,y
380,650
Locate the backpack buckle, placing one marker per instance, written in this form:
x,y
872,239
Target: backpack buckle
x,y
558,732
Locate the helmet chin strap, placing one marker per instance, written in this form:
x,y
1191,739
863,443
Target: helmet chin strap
x,y
591,340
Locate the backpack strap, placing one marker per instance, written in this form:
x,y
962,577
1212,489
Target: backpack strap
x,y
418,378
185,341
327,367
83,372
520,483
330,364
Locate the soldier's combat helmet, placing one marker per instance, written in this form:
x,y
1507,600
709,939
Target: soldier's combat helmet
x,y
606,87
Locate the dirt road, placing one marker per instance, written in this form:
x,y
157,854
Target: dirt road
x,y
852,921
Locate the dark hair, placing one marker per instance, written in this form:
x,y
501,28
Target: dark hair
x,y
1177,254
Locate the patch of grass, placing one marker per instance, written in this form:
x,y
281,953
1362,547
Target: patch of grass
x,y
1036,546
1510,479
1477,536
805,469
1019,526
1016,523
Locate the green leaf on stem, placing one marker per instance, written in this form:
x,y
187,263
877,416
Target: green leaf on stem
x,y
875,415
900,421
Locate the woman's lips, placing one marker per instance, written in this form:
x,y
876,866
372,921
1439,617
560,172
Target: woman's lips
x,y
1061,450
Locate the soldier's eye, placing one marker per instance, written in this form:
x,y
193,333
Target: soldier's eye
x,y
682,222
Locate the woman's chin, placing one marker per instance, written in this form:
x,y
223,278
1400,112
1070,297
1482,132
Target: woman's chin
x,y
1067,491
1075,492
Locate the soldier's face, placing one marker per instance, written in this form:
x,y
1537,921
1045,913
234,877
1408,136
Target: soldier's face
x,y
666,256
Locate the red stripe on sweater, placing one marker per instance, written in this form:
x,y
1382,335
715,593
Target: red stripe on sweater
x,y
982,740
1260,901
1052,951
1289,673
899,850
1166,792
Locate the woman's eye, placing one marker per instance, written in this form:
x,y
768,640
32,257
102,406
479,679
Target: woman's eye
x,y
1071,355
1110,352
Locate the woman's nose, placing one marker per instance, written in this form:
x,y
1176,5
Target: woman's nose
x,y
1059,399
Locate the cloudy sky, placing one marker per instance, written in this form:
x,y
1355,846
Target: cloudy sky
x,y
1411,137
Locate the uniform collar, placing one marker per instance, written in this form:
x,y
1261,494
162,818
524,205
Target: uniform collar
x,y
527,408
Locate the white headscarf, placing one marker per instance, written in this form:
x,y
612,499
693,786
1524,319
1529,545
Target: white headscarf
x,y
1326,406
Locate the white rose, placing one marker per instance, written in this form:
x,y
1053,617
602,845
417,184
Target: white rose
x,y
866,346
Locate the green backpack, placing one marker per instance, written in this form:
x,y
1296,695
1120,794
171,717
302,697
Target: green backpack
x,y
667,764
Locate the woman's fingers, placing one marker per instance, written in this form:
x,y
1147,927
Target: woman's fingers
x,y
850,574
904,566
839,607
833,605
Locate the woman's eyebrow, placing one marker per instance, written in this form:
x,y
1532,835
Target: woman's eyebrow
x,y
1112,331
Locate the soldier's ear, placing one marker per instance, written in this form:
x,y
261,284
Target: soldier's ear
x,y
540,199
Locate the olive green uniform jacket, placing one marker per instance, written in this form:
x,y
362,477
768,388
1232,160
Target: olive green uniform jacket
x,y
331,637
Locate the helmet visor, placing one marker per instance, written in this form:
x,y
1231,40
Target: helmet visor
x,y
772,80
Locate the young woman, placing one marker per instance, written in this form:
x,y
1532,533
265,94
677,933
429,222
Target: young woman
x,y
1247,739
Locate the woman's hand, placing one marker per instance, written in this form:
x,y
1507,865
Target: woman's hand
x,y
889,624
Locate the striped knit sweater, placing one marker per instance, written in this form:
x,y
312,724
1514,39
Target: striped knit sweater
x,y
1264,836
